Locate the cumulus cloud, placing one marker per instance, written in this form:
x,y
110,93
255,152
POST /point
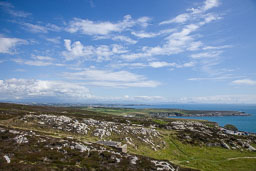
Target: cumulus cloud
x,y
106,78
8,44
244,82
77,50
88,27
29,88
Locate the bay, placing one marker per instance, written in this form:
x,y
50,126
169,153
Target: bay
x,y
243,123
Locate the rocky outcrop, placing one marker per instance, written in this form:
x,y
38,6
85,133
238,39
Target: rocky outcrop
x,y
199,133
100,129
71,154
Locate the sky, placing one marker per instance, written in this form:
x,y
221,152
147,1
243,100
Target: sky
x,y
147,51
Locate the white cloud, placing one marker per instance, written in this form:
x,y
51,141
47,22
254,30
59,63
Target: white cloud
x,y
103,75
180,40
175,43
125,39
143,34
195,45
35,28
33,62
216,47
224,77
6,4
173,64
107,78
37,60
54,40
131,65
244,82
178,19
37,63
143,98
44,58
89,27
124,84
102,52
154,64
161,64
144,21
8,44
195,13
10,10
206,55
188,64
29,88
219,99
208,4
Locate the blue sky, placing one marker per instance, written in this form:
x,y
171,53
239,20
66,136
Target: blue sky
x,y
147,51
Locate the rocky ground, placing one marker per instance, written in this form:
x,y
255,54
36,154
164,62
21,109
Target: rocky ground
x,y
47,138
193,132
197,133
126,132
29,150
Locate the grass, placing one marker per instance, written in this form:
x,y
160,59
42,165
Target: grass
x,y
203,158
161,122
145,112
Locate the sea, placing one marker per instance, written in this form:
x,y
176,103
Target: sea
x,y
243,123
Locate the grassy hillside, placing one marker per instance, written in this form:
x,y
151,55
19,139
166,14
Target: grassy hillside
x,y
183,143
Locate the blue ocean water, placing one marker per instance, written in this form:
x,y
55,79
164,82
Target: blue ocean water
x,y
243,123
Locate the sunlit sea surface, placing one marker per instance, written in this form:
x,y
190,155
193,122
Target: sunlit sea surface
x,y
243,123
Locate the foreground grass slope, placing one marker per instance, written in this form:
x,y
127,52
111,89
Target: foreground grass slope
x,y
184,143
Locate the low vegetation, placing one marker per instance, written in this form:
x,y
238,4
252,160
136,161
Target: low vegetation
x,y
65,138
231,127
